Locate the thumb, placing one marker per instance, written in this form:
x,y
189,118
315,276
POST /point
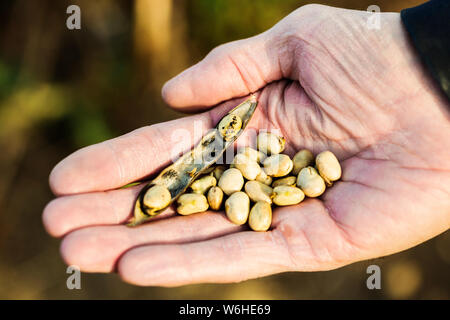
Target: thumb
x,y
231,70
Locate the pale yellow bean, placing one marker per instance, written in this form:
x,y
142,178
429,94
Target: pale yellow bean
x,y
203,184
189,203
253,154
218,171
264,178
229,126
278,165
258,191
237,207
287,195
248,167
302,159
215,198
287,181
260,217
231,181
328,166
157,197
269,143
310,182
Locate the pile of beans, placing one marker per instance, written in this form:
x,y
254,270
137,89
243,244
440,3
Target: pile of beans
x,y
258,179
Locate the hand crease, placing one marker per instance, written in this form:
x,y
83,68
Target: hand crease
x,y
239,71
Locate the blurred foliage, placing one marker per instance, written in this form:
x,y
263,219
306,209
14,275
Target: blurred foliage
x,y
61,90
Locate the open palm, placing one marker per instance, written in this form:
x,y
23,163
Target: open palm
x,y
326,81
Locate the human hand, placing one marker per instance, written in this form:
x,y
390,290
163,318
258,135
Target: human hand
x,y
327,82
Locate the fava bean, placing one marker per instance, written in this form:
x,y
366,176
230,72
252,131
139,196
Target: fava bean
x,y
237,207
157,197
218,171
328,166
248,167
189,203
215,198
260,217
278,165
253,154
203,184
258,191
231,181
229,126
287,195
287,181
269,143
310,182
264,178
302,159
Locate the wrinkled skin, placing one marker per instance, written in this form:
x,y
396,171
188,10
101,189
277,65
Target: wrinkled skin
x,y
327,82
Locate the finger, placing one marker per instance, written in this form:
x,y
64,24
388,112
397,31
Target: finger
x,y
230,258
114,163
304,237
97,249
65,214
125,159
231,70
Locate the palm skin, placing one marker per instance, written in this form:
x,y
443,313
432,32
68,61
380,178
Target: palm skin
x,y
327,82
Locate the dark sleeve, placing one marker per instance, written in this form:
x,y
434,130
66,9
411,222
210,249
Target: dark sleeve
x,y
429,28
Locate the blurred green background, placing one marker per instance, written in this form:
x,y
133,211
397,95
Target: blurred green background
x,y
61,90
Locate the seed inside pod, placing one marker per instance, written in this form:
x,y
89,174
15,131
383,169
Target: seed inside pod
x,y
231,181
215,198
269,143
287,181
189,203
203,184
264,178
229,126
237,207
302,159
278,165
157,197
253,154
328,166
258,191
260,217
310,182
248,167
287,195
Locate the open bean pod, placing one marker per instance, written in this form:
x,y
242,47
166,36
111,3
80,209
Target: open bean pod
x,y
177,177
